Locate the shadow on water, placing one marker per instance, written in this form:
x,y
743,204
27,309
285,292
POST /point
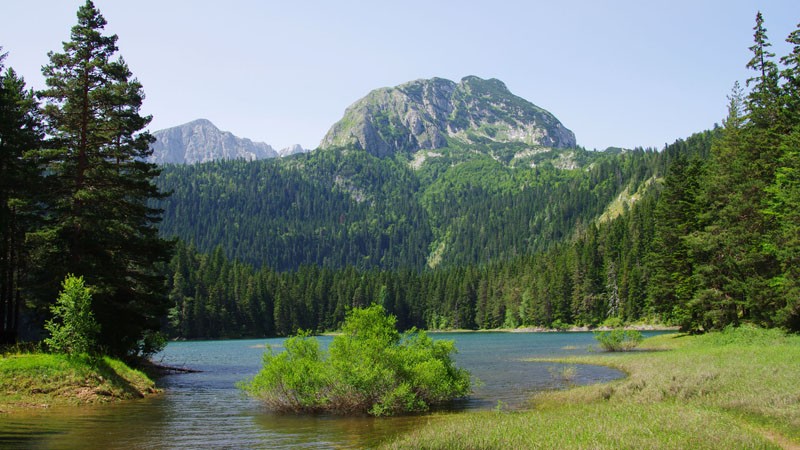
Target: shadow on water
x,y
322,431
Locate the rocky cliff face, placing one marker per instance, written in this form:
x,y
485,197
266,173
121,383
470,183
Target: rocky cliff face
x,y
435,113
200,141
292,150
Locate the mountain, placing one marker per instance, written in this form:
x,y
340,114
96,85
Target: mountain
x,y
437,113
295,149
201,141
479,175
480,214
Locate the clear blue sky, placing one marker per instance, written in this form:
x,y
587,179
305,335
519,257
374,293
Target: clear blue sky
x,y
617,73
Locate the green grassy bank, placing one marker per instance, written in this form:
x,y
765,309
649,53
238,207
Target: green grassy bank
x,y
38,380
735,389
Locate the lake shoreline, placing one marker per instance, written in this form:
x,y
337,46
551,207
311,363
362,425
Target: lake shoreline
x,y
574,329
33,381
685,392
584,329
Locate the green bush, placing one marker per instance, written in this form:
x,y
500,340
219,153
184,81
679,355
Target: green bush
x,y
370,369
73,329
612,322
618,340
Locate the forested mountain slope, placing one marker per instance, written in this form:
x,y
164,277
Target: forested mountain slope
x,y
430,173
602,269
441,203
702,234
338,208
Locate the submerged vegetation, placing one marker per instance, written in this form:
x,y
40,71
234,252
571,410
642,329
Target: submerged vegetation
x,y
731,389
370,368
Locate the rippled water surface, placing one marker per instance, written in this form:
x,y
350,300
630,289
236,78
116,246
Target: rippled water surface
x,y
206,410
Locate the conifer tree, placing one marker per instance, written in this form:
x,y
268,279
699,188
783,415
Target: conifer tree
x,y
784,194
733,265
20,131
791,77
99,224
785,207
763,102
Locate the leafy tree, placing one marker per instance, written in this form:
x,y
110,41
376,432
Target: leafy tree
x,y
20,131
98,221
73,329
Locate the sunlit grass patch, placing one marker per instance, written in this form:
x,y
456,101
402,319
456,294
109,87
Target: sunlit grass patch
x,y
734,389
42,379
593,425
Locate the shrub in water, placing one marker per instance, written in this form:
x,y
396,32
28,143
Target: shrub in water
x,y
618,340
370,368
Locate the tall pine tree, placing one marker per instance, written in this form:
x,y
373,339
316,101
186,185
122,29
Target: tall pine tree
x,y
784,203
20,131
99,224
734,266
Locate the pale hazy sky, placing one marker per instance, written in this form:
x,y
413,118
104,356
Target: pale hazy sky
x,y
617,73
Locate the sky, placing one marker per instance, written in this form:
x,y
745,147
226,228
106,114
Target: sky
x,y
617,73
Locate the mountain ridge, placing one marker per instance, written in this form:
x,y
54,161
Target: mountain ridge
x,y
201,141
474,114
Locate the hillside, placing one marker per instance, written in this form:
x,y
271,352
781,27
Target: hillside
x,y
338,208
591,269
473,174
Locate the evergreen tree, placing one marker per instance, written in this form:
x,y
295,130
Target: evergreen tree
x,y
670,286
791,77
99,224
784,194
20,131
763,101
785,206
733,265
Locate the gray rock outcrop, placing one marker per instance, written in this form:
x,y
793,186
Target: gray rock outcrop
x,y
434,113
200,141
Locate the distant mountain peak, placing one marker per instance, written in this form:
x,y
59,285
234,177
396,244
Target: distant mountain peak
x,y
433,113
201,141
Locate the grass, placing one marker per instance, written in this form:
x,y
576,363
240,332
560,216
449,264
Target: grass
x,y
734,389
38,380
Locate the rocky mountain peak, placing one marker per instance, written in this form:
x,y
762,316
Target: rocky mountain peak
x,y
433,113
201,141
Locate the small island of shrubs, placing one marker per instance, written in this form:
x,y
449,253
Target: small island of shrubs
x,y
370,368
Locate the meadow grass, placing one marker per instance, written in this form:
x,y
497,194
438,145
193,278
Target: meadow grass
x,y
734,389
34,380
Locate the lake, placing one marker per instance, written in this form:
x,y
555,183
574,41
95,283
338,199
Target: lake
x,y
206,409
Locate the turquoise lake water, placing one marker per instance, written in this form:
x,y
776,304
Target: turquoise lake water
x,y
206,410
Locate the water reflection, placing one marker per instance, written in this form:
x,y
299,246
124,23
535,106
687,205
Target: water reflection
x,y
206,410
